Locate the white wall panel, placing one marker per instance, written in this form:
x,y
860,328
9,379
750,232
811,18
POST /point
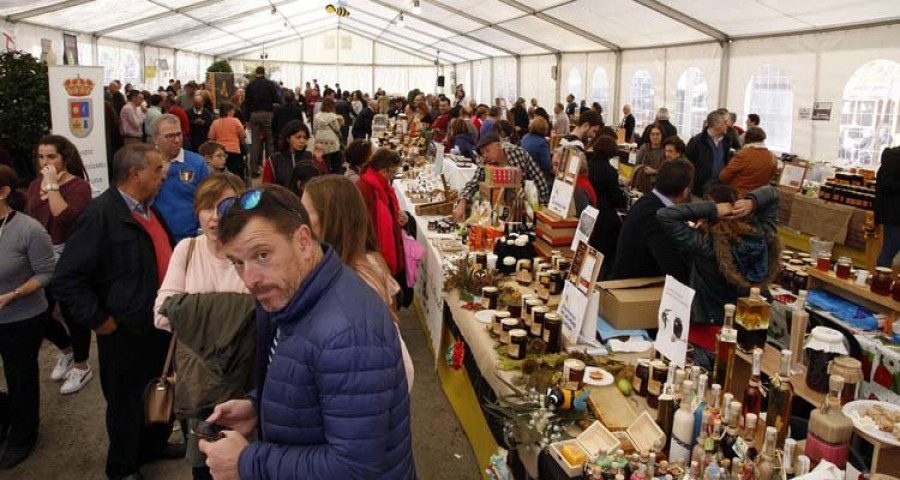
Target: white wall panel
x,y
537,81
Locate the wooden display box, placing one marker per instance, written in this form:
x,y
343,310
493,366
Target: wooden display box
x,y
434,209
596,440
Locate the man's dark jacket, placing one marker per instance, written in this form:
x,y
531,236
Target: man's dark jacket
x,y
109,267
643,249
700,153
363,124
887,195
261,95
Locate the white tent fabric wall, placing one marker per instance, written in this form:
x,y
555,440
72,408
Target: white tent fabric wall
x,y
536,79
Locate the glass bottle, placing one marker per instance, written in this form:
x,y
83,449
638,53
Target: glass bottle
x,y
731,432
697,453
787,459
766,464
726,342
799,323
715,403
829,429
752,321
780,397
665,415
749,435
682,432
753,397
698,405
802,465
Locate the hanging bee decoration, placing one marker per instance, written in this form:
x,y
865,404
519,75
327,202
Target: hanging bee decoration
x,y
339,9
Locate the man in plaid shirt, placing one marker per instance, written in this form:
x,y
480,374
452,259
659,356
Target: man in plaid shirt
x,y
501,154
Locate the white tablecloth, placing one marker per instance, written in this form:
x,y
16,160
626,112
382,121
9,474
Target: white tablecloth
x,y
457,177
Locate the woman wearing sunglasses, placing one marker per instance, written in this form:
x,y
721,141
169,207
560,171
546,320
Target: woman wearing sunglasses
x,y
337,213
201,288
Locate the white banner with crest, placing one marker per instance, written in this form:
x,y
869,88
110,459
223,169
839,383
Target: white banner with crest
x,y
77,112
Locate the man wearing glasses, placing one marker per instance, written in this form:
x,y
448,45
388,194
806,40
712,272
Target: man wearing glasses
x,y
332,399
183,171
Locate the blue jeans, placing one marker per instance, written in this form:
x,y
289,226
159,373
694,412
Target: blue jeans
x,y
890,245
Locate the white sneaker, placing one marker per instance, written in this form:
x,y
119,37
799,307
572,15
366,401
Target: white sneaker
x,y
63,364
76,379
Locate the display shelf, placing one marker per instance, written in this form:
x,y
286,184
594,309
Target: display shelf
x,y
769,366
799,241
830,282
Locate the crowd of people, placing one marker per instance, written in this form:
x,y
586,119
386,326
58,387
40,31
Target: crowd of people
x,y
277,304
266,300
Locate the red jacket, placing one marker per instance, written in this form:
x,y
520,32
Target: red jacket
x,y
385,214
185,124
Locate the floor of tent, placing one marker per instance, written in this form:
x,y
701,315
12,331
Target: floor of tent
x,y
72,442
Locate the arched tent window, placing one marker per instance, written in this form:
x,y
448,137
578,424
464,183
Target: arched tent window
x,y
642,99
574,84
600,89
769,95
870,117
691,100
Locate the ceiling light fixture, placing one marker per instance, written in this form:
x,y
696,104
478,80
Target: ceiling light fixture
x,y
417,7
400,22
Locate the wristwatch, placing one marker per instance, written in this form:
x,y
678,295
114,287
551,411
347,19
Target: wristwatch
x,y
51,186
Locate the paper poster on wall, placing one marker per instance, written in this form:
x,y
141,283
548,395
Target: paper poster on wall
x,y
586,225
804,113
76,109
674,321
821,111
70,49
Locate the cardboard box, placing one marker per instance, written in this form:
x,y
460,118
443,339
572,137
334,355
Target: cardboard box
x,y
631,303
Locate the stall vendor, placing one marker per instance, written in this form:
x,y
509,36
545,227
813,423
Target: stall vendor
x,y
501,154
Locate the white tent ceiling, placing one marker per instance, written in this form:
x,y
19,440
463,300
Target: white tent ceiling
x,y
462,30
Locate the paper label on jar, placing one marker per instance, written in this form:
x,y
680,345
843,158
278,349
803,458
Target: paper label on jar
x,y
486,302
728,335
636,383
740,448
654,387
513,350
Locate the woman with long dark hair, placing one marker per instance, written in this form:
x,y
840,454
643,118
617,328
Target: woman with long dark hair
x,y
55,199
735,248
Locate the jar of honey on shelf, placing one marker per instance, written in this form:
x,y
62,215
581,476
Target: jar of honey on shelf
x,y
823,262
881,281
844,266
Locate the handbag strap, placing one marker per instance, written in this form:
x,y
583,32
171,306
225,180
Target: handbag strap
x,y
168,365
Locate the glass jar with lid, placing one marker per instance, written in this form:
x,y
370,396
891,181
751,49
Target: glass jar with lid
x,y
844,266
851,369
881,281
823,346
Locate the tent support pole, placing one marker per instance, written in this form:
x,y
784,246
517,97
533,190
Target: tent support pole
x,y
558,77
617,85
723,73
491,84
373,68
518,77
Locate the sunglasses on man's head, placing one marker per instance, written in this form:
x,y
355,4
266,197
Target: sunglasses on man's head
x,y
250,200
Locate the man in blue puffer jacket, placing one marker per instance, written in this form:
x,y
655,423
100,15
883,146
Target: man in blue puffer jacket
x,y
332,398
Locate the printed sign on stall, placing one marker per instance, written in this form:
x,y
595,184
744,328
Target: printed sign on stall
x,y
674,321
